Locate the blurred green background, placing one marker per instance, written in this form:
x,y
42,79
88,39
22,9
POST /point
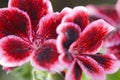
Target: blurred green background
x,y
58,5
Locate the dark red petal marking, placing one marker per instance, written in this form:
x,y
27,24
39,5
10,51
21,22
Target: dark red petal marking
x,y
74,72
105,12
36,9
46,57
91,38
14,22
48,25
108,62
14,51
91,67
78,16
66,59
68,33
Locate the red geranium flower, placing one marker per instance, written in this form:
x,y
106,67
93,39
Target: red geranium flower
x,y
28,33
78,43
112,15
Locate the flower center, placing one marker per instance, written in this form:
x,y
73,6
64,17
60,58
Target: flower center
x,y
37,42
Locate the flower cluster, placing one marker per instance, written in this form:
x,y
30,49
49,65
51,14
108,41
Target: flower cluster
x,y
55,41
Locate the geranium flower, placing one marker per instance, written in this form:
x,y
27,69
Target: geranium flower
x,y
112,43
78,43
28,33
112,15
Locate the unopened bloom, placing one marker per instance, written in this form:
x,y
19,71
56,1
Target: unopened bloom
x,y
78,43
28,33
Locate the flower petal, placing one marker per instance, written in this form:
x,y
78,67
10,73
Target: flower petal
x,y
112,43
91,38
46,57
66,10
66,59
14,51
14,22
74,72
107,61
36,9
91,67
48,25
79,16
105,12
68,33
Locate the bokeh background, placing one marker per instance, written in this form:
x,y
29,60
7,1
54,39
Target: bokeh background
x,y
58,5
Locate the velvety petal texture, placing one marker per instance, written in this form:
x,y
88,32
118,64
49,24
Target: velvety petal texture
x,y
48,25
14,22
109,63
14,51
66,59
91,38
68,33
46,56
78,16
74,72
91,67
36,9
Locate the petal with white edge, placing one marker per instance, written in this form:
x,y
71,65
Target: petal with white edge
x,y
78,16
74,72
91,67
14,51
68,33
91,38
109,63
14,22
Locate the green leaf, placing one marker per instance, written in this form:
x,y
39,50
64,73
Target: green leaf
x,y
85,77
115,76
23,72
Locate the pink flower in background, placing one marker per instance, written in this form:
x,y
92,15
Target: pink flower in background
x,y
28,33
112,43
110,13
78,43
